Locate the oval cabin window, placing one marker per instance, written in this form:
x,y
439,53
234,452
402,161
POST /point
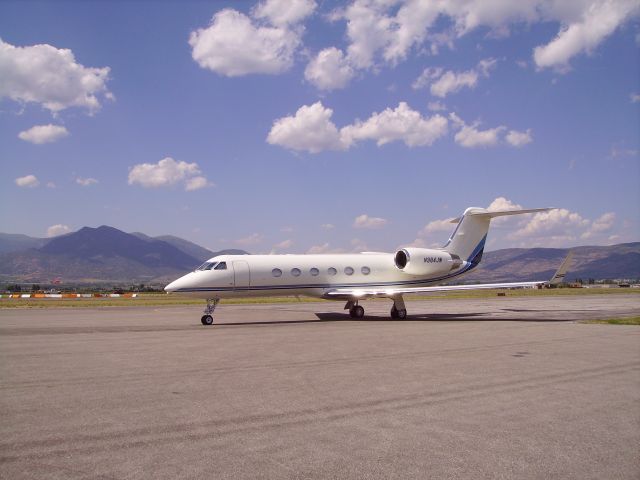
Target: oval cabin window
x,y
314,271
365,270
276,272
348,271
331,271
295,272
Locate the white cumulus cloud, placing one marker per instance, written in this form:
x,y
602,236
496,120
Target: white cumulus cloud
x,y
284,12
29,181
469,136
310,129
329,70
167,172
519,139
402,124
86,182
365,221
502,203
385,32
437,226
584,32
442,82
196,183
635,97
56,230
600,225
51,77
40,134
234,45
555,226
451,82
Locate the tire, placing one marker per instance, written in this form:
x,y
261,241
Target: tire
x,y
402,314
357,312
394,312
207,320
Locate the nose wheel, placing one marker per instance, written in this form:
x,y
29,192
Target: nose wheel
x,y
207,318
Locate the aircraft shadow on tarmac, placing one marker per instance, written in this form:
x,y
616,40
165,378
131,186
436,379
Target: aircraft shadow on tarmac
x,y
438,317
433,317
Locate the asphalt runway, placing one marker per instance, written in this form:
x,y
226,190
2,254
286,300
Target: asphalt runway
x,y
492,388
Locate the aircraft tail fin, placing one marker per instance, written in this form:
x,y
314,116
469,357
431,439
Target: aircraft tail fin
x,y
468,239
558,277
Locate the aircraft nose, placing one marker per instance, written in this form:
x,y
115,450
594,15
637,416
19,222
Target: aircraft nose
x,y
172,287
182,282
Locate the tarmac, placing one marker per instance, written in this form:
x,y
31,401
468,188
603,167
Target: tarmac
x,y
503,387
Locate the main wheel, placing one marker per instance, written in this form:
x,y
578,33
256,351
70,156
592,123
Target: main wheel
x,y
357,312
207,320
402,314
394,312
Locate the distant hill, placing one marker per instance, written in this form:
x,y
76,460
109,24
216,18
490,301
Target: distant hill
x,y
190,248
103,254
96,244
521,264
16,242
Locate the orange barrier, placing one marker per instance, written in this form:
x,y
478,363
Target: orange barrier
x,y
70,295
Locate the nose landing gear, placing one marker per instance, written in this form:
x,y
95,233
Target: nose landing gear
x,y
207,318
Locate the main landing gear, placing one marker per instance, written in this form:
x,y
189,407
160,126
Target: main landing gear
x,y
400,314
355,310
398,311
207,318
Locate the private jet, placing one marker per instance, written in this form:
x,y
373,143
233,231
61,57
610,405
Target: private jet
x,y
354,277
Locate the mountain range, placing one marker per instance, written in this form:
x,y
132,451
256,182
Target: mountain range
x,y
108,255
99,255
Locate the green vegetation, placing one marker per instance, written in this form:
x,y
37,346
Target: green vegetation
x,y
617,321
163,299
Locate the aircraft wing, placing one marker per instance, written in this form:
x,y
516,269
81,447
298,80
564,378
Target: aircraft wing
x,y
389,292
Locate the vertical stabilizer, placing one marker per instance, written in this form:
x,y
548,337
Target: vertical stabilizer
x,y
469,237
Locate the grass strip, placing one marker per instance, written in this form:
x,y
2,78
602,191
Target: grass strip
x,y
617,321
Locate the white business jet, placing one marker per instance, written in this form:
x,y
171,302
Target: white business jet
x,y
353,277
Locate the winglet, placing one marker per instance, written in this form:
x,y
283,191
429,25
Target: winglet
x,y
562,269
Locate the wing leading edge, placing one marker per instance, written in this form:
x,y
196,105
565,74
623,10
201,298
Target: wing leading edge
x,y
390,292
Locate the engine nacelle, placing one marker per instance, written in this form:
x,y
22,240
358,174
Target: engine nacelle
x,y
425,261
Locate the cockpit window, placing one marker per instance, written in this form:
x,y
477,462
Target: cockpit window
x,y
221,266
207,266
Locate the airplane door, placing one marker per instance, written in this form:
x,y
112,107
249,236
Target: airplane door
x,y
242,275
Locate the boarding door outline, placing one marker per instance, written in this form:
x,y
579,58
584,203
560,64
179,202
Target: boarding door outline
x,y
241,275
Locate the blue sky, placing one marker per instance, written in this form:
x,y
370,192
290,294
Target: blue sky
x,y
305,126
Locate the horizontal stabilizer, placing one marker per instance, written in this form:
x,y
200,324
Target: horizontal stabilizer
x,y
502,213
498,213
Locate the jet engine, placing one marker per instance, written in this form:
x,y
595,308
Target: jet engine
x,y
426,261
